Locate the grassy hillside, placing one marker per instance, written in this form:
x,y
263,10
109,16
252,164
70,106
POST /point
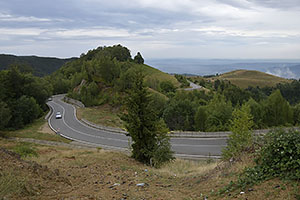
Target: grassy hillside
x,y
40,65
245,78
155,74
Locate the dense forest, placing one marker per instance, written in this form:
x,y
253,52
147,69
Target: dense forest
x,y
22,98
39,66
104,75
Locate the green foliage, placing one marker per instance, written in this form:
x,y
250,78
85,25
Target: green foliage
x,y
200,118
162,152
277,110
296,111
167,86
24,111
25,150
138,58
278,157
107,69
5,115
23,97
235,95
153,83
256,93
182,79
179,115
146,130
60,85
119,52
126,79
219,113
158,102
280,154
39,66
241,137
290,91
257,112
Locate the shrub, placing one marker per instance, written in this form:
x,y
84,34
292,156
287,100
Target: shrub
x,y
241,137
278,157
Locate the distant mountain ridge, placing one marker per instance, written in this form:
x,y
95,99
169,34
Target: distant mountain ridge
x,y
41,66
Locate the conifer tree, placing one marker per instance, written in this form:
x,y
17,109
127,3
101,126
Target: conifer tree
x,y
149,133
138,58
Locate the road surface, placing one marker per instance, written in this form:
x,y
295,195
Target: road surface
x,y
70,127
193,86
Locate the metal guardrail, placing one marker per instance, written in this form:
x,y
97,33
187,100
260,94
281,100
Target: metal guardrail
x,y
220,134
199,134
74,102
105,128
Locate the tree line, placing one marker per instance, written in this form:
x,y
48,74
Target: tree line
x,y
22,98
212,111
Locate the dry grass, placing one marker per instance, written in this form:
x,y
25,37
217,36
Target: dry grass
x,y
104,115
101,174
246,78
184,168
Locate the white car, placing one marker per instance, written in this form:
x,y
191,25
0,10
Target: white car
x,y
58,115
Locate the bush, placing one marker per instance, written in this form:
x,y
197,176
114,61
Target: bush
x,y
279,157
162,152
167,86
241,137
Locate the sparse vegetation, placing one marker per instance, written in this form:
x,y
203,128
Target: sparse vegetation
x,y
26,150
10,184
98,173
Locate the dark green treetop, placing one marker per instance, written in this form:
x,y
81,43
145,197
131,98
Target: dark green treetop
x,y
138,58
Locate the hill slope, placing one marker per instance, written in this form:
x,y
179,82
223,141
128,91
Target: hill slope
x,y
103,75
40,65
245,78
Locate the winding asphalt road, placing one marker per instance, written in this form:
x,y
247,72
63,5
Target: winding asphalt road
x,y
70,127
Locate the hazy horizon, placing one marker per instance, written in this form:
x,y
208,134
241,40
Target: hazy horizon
x,y
285,68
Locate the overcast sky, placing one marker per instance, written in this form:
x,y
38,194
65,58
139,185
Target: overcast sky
x,y
156,28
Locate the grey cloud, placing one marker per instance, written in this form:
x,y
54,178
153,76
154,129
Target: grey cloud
x,y
279,4
143,24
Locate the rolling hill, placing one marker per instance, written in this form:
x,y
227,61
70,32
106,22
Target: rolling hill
x,y
245,78
41,66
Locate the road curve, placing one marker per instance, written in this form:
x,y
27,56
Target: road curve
x,y
70,127
193,86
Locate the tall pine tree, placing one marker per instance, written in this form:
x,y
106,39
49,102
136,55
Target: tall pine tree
x,y
149,133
